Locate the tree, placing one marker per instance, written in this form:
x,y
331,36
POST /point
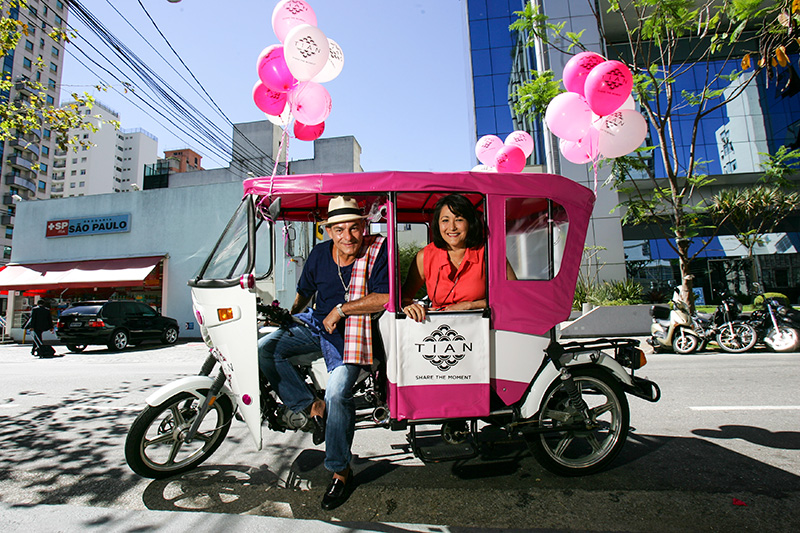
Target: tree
x,y
664,41
29,111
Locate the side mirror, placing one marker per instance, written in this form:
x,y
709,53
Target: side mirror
x,y
274,209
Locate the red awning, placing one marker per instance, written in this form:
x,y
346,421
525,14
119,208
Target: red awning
x,y
126,272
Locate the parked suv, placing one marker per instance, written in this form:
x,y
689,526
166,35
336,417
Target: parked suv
x,y
115,323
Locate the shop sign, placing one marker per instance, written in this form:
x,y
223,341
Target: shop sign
x,y
88,226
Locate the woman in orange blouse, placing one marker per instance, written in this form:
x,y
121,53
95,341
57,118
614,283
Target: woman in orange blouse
x,y
452,267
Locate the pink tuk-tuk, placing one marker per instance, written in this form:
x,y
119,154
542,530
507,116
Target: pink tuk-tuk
x,y
459,371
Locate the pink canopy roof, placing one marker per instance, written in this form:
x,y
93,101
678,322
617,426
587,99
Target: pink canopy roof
x,y
527,306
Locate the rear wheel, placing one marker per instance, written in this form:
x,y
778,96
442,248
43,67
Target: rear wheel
x,y
76,348
736,337
782,340
156,445
684,342
170,335
578,452
119,340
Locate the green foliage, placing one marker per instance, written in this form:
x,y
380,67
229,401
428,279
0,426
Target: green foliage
x,y
407,253
626,292
780,165
30,110
758,301
533,97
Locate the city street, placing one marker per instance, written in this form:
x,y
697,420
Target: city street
x,y
720,451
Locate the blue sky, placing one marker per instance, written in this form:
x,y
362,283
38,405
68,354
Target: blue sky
x,y
404,93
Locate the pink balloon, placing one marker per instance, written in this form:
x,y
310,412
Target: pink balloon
x,y
308,133
577,68
583,150
267,100
290,13
607,87
510,159
621,133
568,116
272,69
486,149
522,139
311,103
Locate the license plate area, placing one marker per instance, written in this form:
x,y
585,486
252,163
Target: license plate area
x,y
76,324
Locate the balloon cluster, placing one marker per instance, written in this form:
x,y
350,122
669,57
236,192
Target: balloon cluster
x,y
503,156
291,74
596,117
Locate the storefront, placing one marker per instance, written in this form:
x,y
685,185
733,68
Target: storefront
x,y
142,245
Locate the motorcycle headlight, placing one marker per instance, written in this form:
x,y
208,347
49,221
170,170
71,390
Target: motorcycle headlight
x,y
783,311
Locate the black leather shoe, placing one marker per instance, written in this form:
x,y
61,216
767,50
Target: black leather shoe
x,y
319,430
338,492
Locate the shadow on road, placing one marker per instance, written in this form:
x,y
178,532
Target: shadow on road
x,y
785,440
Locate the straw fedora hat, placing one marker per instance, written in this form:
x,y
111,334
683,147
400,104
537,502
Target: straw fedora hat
x,y
342,209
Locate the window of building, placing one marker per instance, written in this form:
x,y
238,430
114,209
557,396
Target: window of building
x,y
46,9
83,172
26,63
43,168
54,51
41,42
59,21
6,252
53,67
32,11
9,232
51,84
81,184
38,76
42,185
74,160
29,46
51,100
73,173
86,135
46,133
59,4
83,159
72,185
45,151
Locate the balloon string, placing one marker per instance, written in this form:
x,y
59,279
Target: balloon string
x,y
283,147
594,166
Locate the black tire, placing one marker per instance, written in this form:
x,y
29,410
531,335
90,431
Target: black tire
x,y
155,447
118,341
684,342
737,337
76,348
583,452
170,335
783,340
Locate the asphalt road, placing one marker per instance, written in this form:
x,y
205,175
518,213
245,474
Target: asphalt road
x,y
720,451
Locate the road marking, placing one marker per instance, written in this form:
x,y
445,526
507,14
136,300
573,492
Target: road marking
x,y
745,408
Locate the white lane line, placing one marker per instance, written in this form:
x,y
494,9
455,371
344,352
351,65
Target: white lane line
x,y
745,408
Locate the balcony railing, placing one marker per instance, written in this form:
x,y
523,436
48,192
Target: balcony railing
x,y
22,144
22,182
59,163
24,174
21,162
57,188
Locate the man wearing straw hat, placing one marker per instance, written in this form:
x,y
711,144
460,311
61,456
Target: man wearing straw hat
x,y
349,276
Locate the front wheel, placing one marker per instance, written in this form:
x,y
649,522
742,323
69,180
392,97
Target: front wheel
x,y
736,337
578,452
783,339
156,445
684,342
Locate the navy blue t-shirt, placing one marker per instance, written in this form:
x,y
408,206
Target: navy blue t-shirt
x,y
320,276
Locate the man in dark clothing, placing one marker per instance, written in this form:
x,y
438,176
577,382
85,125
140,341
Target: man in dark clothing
x,y
39,322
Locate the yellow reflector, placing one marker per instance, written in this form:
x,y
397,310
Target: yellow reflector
x,y
642,359
225,314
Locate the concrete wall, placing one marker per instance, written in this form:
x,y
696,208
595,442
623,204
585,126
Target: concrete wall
x,y
184,223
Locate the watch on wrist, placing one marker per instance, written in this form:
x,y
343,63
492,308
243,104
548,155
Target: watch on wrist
x,y
340,311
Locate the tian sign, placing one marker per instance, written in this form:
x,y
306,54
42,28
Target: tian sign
x,y
88,226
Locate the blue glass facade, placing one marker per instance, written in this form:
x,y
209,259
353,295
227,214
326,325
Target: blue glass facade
x,y
492,49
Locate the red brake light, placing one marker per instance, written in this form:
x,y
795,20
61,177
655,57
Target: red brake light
x,y
96,323
59,324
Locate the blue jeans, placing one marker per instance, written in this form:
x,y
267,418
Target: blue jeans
x,y
274,352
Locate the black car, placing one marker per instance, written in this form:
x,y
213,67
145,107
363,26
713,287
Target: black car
x,y
115,323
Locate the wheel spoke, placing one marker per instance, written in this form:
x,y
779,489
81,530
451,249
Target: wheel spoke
x,y
594,443
559,416
600,409
173,453
563,445
161,439
177,415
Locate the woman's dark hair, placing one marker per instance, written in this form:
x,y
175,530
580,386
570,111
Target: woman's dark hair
x,y
461,207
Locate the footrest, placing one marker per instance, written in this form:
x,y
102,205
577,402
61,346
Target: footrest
x,y
435,450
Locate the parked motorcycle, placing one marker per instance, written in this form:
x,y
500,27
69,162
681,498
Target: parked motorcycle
x,y
501,366
777,326
679,330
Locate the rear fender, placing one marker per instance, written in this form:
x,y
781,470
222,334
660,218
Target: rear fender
x,y
190,384
550,374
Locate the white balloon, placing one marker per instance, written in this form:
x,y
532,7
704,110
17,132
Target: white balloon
x,y
621,133
334,65
487,147
306,51
522,139
630,103
290,13
284,118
